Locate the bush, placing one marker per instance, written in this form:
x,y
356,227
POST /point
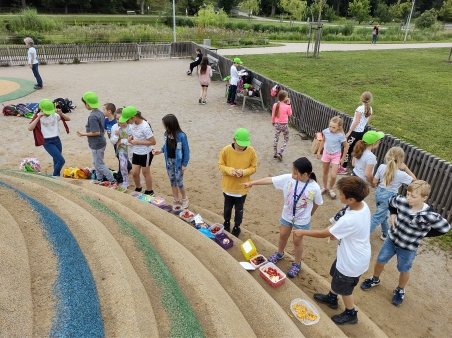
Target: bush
x,y
29,20
427,19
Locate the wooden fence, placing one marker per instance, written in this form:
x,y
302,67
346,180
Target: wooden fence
x,y
310,116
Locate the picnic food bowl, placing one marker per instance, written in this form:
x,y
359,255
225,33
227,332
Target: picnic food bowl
x,y
168,208
177,209
136,194
258,261
186,215
304,311
146,198
272,275
158,201
223,240
216,228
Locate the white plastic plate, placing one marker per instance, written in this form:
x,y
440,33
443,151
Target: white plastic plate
x,y
309,306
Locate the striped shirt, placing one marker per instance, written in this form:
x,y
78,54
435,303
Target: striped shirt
x,y
411,228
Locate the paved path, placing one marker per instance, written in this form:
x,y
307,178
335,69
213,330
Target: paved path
x,y
327,47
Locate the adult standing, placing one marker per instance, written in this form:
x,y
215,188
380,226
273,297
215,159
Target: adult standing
x,y
33,61
45,126
375,33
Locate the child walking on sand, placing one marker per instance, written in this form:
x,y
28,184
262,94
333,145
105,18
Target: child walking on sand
x,y
364,159
280,120
302,197
411,220
120,133
177,154
333,138
205,73
109,111
357,128
142,138
353,250
33,61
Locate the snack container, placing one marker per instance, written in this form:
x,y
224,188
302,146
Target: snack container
x,y
184,212
258,265
177,209
136,194
146,198
219,238
248,249
221,226
158,201
168,208
202,225
267,279
309,306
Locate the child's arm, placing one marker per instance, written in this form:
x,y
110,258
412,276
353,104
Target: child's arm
x,y
314,208
252,167
33,123
114,135
185,152
62,115
32,59
313,233
353,126
439,227
90,134
322,143
368,173
408,171
149,142
344,153
261,181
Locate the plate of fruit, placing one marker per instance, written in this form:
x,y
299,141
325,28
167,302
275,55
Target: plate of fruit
x,y
258,261
217,229
186,215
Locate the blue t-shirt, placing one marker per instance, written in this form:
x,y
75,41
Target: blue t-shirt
x,y
108,124
333,142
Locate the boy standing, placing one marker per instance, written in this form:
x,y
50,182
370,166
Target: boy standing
x,y
196,62
353,250
238,161
96,138
411,220
33,62
235,74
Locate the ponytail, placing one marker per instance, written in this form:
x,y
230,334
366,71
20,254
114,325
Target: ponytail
x,y
393,158
366,98
277,109
359,149
312,176
367,110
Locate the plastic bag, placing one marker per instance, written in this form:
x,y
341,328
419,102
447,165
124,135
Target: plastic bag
x,y
275,90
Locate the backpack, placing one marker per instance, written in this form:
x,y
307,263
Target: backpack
x,y
64,104
9,110
34,107
30,164
23,110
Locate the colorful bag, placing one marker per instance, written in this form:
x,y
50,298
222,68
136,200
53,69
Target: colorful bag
x,y
275,90
30,164
9,110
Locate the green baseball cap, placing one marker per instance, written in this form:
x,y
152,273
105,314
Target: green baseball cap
x,y
373,136
242,137
127,113
47,106
237,60
91,99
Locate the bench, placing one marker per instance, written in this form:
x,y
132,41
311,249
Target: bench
x,y
215,65
256,84
232,41
131,13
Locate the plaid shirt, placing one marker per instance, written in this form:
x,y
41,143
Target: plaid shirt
x,y
411,228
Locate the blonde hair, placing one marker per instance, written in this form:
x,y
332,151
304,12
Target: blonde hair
x,y
282,95
366,99
423,187
338,120
394,157
29,41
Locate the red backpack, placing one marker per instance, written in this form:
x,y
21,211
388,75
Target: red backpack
x,y
10,110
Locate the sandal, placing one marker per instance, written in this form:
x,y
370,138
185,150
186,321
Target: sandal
x,y
184,203
294,270
332,194
324,190
176,202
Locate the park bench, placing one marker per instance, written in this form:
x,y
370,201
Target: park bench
x,y
131,13
256,84
215,65
231,41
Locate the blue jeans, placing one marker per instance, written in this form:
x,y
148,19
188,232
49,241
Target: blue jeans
x,y
380,216
374,38
54,147
405,257
34,68
232,92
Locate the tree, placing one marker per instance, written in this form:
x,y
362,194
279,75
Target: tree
x,y
400,10
359,9
382,13
226,5
445,12
427,19
250,6
296,8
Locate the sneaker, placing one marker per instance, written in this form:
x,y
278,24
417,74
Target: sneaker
x,y
105,183
276,257
37,87
332,220
279,156
200,100
149,192
294,270
233,104
274,156
204,102
188,72
342,171
236,231
345,318
324,299
227,226
229,102
176,202
138,189
113,184
398,296
368,283
184,203
383,237
124,185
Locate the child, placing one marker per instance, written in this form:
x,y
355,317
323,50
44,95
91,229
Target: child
x,y
33,61
411,220
46,122
333,138
280,120
237,162
357,128
96,138
375,34
142,138
177,155
301,199
120,133
363,159
205,74
389,177
109,110
234,80
353,250
196,62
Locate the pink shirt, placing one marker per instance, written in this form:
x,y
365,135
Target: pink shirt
x,y
285,110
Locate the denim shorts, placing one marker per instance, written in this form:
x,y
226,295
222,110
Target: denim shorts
x,y
176,175
295,226
405,257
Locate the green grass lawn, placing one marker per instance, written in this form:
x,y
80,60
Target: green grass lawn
x,y
411,88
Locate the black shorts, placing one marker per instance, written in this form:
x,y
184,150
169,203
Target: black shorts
x,y
142,160
204,86
341,284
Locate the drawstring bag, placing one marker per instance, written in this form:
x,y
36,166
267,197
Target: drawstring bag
x,y
30,164
275,90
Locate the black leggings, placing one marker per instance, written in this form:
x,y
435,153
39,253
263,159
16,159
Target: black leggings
x,y
193,65
237,203
354,137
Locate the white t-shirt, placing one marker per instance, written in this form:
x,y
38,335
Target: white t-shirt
x,y
360,163
400,178
50,126
141,132
333,142
311,194
353,250
32,50
362,121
